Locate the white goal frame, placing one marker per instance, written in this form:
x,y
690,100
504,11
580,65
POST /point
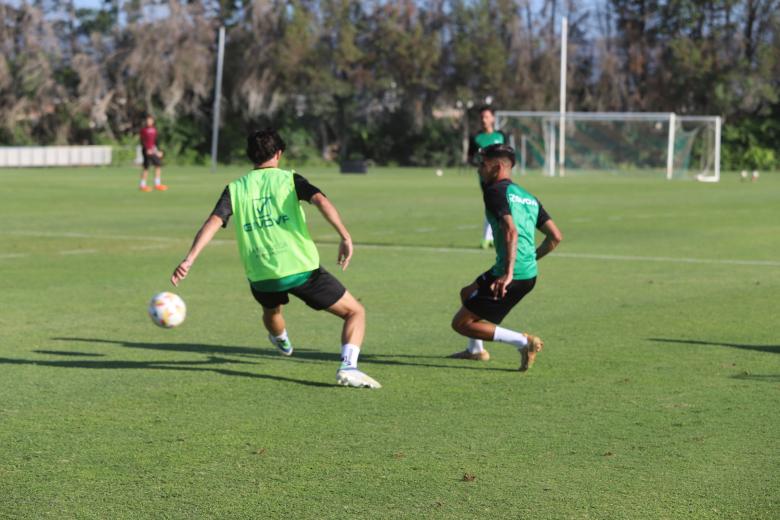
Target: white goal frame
x,y
559,119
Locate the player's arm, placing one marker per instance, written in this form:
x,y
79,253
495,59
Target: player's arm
x,y
510,239
552,237
218,218
331,214
202,238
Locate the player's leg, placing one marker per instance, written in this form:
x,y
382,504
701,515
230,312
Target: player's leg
x,y
470,325
354,315
352,334
481,314
273,320
487,235
158,185
277,331
323,291
475,348
354,329
145,175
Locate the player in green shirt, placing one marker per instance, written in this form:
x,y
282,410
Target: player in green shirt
x,y
515,215
278,254
488,135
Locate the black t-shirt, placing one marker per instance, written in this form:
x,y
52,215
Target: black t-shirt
x,y
303,189
474,147
497,203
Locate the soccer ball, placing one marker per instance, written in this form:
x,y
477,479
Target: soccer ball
x,y
167,310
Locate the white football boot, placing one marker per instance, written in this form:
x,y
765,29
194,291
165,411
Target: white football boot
x,y
283,345
355,378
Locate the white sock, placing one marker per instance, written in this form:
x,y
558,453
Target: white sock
x,y
487,233
349,355
283,336
143,183
475,346
509,336
156,181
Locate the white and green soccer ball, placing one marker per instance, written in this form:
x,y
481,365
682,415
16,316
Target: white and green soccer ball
x,y
167,310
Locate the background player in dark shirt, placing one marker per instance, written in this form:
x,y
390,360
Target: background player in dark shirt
x,y
488,135
152,155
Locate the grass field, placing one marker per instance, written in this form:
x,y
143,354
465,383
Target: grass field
x,y
657,395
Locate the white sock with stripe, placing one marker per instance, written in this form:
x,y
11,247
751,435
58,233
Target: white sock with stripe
x,y
511,337
281,337
475,346
349,356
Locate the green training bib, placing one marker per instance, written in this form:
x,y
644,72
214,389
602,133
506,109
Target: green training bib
x,y
273,238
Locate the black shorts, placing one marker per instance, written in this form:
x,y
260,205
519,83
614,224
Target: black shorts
x,y
482,303
151,159
320,291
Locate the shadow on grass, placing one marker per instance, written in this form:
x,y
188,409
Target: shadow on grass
x,y
67,353
769,378
774,349
207,365
300,353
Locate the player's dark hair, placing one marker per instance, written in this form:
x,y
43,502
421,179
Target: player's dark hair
x,y
499,151
486,107
263,144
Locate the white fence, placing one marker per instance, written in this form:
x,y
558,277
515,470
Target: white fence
x,y
35,156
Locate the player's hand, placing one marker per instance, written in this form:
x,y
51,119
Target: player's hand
x,y
500,286
345,253
180,273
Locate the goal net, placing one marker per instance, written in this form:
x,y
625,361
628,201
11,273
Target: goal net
x,y
632,143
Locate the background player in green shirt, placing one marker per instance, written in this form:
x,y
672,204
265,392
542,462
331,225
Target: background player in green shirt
x,y
487,136
514,214
278,253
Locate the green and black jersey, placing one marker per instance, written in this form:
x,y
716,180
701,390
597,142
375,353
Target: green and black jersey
x,y
507,198
483,140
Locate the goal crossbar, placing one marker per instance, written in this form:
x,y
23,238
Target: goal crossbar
x,y
670,118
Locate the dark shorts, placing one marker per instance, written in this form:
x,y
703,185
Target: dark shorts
x,y
151,159
319,292
482,303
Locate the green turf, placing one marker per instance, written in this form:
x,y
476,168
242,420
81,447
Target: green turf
x,y
657,394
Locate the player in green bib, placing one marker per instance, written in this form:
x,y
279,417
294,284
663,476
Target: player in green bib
x,y
487,136
515,215
278,253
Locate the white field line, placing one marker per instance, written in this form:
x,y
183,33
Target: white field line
x,y
78,252
432,249
584,256
89,236
151,247
65,234
671,259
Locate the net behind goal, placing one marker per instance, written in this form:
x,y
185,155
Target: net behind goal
x,y
639,144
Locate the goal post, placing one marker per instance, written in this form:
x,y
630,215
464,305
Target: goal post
x,y
662,144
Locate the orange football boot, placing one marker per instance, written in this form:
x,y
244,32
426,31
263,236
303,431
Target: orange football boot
x,y
528,354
